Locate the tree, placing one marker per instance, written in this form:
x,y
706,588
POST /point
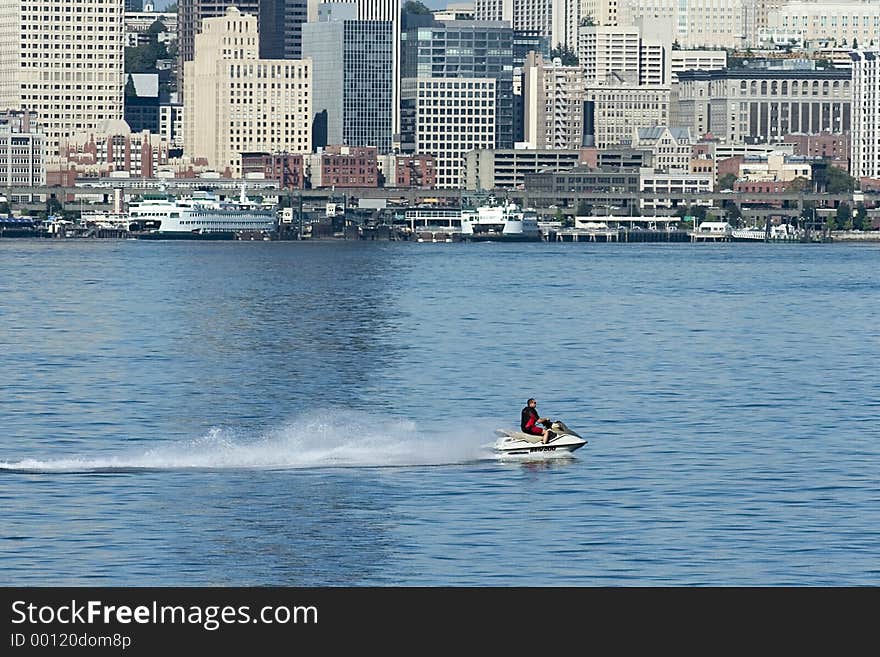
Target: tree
x,y
734,214
726,181
415,7
569,57
839,181
844,216
807,212
587,21
584,209
860,217
799,184
53,205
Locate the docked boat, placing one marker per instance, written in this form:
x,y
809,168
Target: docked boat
x,y
504,223
201,216
782,232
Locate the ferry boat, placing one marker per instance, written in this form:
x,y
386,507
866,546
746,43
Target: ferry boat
x,y
782,232
202,216
505,223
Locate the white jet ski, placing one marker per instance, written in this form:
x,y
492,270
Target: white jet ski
x,y
517,443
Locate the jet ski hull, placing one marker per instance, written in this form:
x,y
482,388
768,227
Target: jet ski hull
x,y
515,443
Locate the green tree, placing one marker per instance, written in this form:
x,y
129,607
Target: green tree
x,y
844,216
584,209
53,205
807,211
860,217
799,184
567,55
734,214
587,21
4,208
415,7
838,181
726,181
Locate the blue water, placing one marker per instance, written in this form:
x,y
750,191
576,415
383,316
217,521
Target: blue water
x,y
322,414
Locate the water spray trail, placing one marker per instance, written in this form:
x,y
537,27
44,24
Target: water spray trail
x,y
333,438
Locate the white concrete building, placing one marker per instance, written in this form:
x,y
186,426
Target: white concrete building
x,y
557,19
833,22
22,150
671,188
866,114
695,60
506,168
451,116
602,12
234,101
696,23
622,50
64,62
777,166
553,96
614,110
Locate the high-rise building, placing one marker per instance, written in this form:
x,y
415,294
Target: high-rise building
x,y
556,19
464,49
833,22
750,105
600,12
190,14
235,102
388,10
866,114
280,28
352,64
64,63
614,109
22,154
523,44
696,23
447,118
553,95
637,54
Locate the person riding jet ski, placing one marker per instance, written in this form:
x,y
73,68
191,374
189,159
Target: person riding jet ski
x,y
530,420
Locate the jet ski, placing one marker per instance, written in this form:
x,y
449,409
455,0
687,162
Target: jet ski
x,y
517,443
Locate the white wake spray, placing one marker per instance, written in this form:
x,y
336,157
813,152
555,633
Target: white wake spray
x,y
333,438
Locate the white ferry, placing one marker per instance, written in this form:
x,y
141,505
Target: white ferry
x,y
500,222
202,214
486,223
782,232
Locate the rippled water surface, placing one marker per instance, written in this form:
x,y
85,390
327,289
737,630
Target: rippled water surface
x,y
323,414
